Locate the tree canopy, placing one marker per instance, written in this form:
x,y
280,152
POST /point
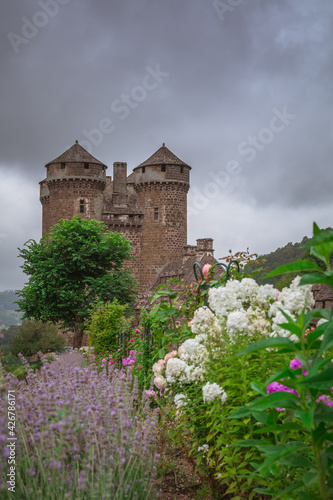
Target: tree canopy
x,y
74,265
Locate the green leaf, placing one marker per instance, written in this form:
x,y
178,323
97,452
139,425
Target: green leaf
x,y
250,442
258,388
279,398
161,353
322,380
292,487
310,477
302,265
278,427
276,453
323,413
295,460
306,416
308,279
327,341
271,342
241,412
321,237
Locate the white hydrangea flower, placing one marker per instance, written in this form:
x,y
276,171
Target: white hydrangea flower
x,y
160,382
157,369
260,325
237,322
294,298
248,289
278,331
180,400
175,369
192,351
225,299
213,391
205,322
193,373
266,294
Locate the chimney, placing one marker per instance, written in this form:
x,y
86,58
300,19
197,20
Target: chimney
x,y
205,246
119,197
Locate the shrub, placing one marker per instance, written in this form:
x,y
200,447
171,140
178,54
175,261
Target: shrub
x,y
36,336
106,322
209,381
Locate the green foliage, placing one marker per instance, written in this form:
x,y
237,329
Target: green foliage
x,y
77,262
35,336
8,309
282,256
297,442
106,322
202,423
6,338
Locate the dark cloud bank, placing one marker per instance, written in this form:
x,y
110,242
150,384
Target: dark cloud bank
x,y
240,90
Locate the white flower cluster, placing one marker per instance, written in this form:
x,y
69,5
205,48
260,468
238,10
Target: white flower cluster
x,y
241,308
244,306
239,295
205,322
180,400
190,364
291,300
204,448
213,391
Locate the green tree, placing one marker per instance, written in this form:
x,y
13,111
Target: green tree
x,y
35,336
78,262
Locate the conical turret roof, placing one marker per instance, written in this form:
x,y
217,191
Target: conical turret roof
x,y
163,156
76,154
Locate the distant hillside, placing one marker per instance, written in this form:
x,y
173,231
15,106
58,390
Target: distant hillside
x,y
285,255
8,310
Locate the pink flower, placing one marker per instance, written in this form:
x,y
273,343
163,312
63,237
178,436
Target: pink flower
x,y
206,269
160,382
137,331
275,387
295,363
277,294
325,399
189,323
132,340
171,354
161,362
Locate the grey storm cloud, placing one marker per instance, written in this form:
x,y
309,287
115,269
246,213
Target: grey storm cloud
x,y
84,69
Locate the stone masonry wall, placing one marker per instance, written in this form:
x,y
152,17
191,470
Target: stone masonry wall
x,y
164,228
64,200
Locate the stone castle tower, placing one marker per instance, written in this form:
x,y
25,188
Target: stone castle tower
x,y
149,206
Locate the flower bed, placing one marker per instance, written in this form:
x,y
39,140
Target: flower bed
x,y
81,432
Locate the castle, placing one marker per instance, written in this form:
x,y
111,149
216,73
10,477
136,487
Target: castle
x,y
149,207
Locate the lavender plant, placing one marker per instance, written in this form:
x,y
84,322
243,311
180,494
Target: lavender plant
x,y
81,433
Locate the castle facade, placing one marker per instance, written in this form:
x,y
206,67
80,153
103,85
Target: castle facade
x,y
149,207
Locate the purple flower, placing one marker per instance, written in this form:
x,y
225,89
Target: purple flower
x,y
295,363
275,387
326,400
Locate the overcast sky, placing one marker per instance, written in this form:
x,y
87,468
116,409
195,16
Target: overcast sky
x,y
241,90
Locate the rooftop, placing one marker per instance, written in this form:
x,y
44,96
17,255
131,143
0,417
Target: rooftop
x,y
163,156
76,154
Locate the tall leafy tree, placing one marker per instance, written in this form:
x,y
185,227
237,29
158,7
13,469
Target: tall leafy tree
x,y
78,262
